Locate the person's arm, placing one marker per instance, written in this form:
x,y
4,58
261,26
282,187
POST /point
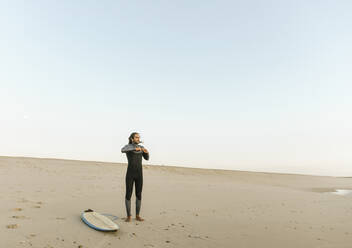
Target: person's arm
x,y
145,154
128,148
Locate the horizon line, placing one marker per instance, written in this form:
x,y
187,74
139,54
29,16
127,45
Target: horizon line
x,y
160,165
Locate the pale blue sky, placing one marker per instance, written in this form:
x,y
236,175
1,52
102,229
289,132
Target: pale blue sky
x,y
243,85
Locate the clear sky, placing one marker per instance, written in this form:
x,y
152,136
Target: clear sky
x,y
242,85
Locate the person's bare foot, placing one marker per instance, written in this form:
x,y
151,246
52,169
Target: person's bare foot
x,y
139,218
128,219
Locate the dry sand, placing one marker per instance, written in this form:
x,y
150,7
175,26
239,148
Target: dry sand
x,y
41,201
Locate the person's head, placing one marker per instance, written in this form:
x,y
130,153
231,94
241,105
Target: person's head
x,y
134,138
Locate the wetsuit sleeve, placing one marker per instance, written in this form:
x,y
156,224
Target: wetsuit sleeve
x,y
128,148
145,156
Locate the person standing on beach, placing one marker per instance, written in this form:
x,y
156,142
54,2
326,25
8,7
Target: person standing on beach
x,y
134,153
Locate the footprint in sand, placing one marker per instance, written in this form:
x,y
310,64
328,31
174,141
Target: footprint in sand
x,y
36,207
30,236
19,217
60,218
196,236
12,226
17,209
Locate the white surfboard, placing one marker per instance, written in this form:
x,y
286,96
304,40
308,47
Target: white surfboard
x,y
98,221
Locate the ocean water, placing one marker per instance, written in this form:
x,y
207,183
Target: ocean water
x,y
344,192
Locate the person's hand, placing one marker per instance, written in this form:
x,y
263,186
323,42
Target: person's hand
x,y
144,150
138,149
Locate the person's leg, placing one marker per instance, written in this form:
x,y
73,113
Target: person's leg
x,y
139,186
129,190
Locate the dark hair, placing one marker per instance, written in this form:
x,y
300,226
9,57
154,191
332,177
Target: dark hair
x,y
131,137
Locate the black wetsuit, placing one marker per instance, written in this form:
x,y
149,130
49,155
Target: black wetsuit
x,y
134,174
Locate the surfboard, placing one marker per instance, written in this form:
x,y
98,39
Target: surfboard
x,y
98,221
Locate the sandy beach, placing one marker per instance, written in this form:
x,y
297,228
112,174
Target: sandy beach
x,y
42,199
